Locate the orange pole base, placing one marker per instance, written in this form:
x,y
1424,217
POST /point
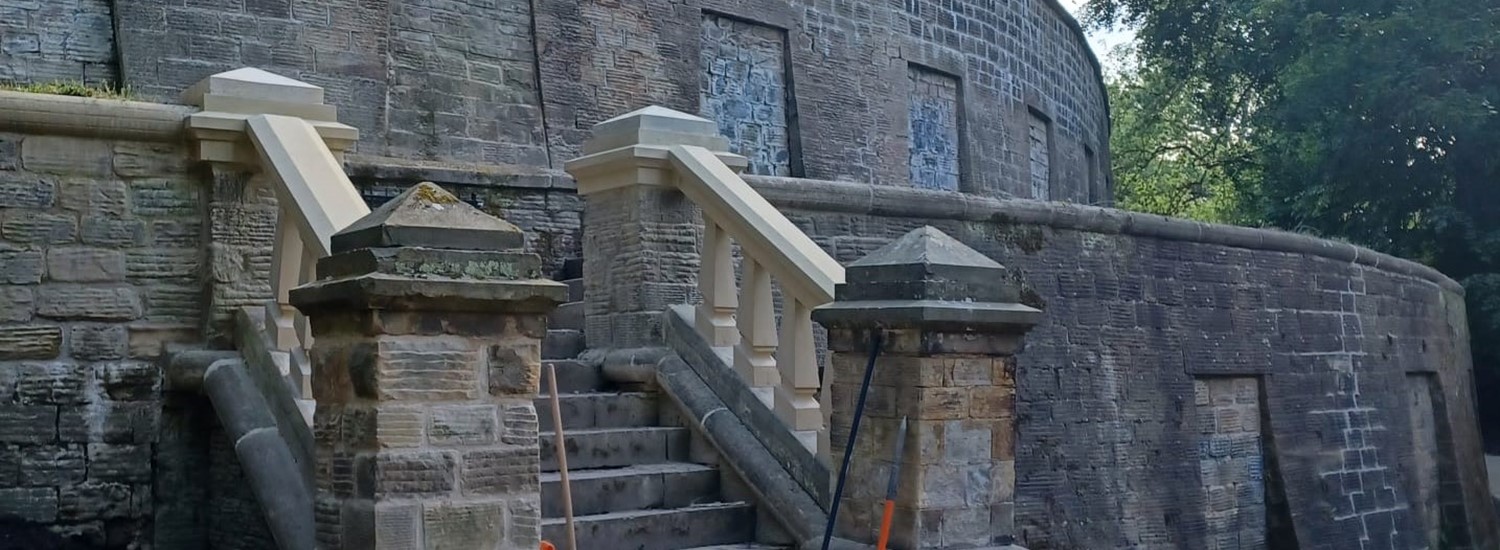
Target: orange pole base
x,y
885,524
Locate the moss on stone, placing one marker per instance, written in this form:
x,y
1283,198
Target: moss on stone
x,y
70,88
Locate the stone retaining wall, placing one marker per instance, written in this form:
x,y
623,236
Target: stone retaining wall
x,y
101,262
1304,348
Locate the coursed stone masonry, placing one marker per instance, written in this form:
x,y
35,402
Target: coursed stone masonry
x,y
100,264
426,360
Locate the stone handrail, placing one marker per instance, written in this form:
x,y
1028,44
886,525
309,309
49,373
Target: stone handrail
x,y
780,364
653,149
279,127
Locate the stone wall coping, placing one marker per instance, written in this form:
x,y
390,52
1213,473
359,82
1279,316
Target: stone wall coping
x,y
366,167
47,114
909,202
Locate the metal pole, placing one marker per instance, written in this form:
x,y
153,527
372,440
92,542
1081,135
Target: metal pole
x,y
859,412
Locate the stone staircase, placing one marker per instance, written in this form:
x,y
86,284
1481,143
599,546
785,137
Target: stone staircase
x,y
639,479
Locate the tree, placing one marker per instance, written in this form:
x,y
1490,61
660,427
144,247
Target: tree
x,y
1374,121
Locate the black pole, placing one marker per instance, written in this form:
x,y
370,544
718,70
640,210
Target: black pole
x,y
859,412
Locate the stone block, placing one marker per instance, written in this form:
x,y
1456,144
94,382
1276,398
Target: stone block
x,y
156,263
515,368
112,233
28,423
20,267
133,422
421,368
400,426
10,154
51,466
38,228
992,402
935,403
119,463
17,304
19,190
519,424
107,198
29,504
160,197
129,380
150,340
93,501
85,265
52,383
405,473
30,342
90,303
462,425
525,521
97,342
134,159
464,524
398,525
67,155
500,471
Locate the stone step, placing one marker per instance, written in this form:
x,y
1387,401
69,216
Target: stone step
x,y
599,410
674,529
616,447
562,344
575,289
572,377
566,316
745,546
639,487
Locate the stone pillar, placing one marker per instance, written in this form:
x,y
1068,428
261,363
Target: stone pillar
x,y
427,323
640,239
951,325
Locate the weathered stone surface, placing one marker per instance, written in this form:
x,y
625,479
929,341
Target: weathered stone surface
x,y
20,267
85,265
97,342
462,425
93,303
406,473
52,383
26,191
30,504
500,471
464,525
129,380
30,342
36,227
933,129
66,155
17,304
514,369
50,466
111,233
137,160
119,463
424,369
90,197
94,500
164,197
28,423
428,216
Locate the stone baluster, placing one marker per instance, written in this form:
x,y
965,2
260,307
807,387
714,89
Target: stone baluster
x,y
797,361
428,320
951,326
286,273
755,355
715,316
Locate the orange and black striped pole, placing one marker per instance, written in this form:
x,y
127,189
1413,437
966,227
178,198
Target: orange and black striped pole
x,y
890,490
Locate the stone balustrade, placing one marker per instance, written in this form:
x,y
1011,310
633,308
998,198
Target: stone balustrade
x,y
638,168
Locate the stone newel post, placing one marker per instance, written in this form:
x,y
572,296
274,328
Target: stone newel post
x,y
641,239
427,323
951,326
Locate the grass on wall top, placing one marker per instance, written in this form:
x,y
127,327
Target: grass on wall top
x,y
70,88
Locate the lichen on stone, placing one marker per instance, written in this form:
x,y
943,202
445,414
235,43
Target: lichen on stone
x,y
429,193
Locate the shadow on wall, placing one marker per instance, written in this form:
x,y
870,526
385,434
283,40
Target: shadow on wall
x,y
19,534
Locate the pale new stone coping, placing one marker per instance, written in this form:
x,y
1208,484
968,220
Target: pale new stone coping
x,y
655,126
252,83
610,169
309,177
802,267
45,114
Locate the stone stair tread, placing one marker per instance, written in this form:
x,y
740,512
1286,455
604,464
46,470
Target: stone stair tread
x,y
615,447
745,546
573,376
634,469
665,529
599,409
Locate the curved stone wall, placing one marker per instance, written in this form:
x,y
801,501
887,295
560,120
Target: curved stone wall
x,y
1194,383
993,98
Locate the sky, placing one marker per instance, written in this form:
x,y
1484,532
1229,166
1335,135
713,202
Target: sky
x,y
1102,40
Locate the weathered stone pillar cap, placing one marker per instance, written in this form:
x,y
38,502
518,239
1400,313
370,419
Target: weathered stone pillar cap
x,y
930,280
428,216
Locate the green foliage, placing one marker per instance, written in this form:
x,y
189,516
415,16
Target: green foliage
x,y
1376,121
70,88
